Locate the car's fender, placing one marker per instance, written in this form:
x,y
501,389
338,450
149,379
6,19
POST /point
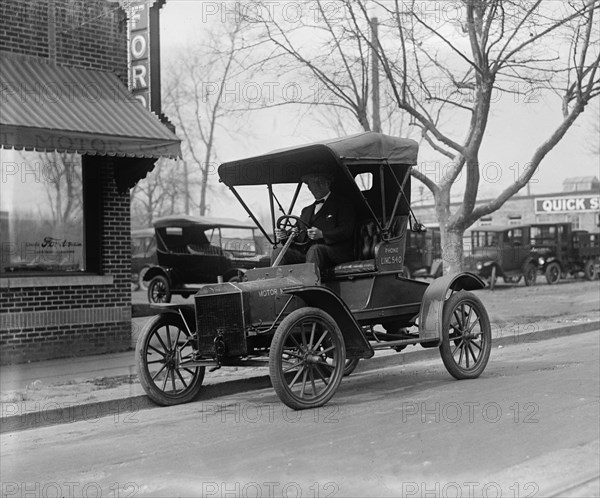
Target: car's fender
x,y
357,345
188,311
432,305
155,271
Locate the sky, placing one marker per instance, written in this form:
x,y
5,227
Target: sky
x,y
517,126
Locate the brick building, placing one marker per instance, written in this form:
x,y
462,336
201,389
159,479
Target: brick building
x,y
578,203
73,141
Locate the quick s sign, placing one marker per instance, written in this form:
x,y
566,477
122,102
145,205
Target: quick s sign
x,y
567,204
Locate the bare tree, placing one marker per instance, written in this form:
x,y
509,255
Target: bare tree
x,y
195,97
444,69
161,193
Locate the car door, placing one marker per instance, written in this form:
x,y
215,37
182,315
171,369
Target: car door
x,y
515,248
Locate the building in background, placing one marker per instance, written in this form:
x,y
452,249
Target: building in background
x,y
578,203
73,141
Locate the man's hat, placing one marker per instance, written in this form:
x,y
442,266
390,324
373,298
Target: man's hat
x,y
308,176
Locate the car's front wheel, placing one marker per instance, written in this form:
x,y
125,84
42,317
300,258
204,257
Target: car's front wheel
x,y
552,273
307,358
161,351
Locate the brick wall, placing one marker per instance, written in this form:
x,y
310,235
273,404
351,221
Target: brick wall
x,y
89,34
50,321
38,323
24,27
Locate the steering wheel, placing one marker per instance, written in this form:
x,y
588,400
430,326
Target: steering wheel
x,y
293,225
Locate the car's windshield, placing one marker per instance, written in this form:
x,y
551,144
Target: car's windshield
x,y
484,239
542,235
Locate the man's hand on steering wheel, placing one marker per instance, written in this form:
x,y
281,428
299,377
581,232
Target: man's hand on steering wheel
x,y
293,226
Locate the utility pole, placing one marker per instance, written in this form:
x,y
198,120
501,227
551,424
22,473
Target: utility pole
x,y
375,74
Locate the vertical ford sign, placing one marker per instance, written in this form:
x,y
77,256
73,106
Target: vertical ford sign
x,y
139,52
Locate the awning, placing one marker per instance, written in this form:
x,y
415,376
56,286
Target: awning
x,y
47,107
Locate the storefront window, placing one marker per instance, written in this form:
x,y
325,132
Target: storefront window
x,y
41,213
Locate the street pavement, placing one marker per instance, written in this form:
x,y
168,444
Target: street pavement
x,y
62,391
526,427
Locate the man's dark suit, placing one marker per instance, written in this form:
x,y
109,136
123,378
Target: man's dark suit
x,y
337,220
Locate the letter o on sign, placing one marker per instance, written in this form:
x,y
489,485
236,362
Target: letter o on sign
x,y
138,46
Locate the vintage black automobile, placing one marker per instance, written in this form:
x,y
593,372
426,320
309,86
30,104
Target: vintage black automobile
x,y
143,256
502,251
311,329
561,251
194,250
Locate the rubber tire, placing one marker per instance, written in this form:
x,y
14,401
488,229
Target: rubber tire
x,y
162,281
553,273
276,351
447,344
350,366
589,270
151,389
529,274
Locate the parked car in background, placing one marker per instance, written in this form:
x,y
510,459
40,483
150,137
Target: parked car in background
x,y
502,251
143,255
561,251
198,250
423,256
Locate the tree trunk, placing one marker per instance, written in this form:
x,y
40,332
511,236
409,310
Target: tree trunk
x,y
452,250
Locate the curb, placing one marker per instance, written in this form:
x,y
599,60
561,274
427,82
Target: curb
x,y
124,408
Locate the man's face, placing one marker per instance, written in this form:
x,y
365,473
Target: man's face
x,y
318,186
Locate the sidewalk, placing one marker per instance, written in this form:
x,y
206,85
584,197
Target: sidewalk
x,y
67,390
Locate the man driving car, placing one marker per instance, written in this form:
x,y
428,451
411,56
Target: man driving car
x,y
331,220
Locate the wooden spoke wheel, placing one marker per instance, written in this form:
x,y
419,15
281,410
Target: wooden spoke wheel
x,y
466,336
307,359
162,347
159,290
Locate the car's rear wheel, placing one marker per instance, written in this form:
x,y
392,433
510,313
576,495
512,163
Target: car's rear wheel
x,y
589,270
466,336
162,347
307,358
159,290
350,366
552,273
529,274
